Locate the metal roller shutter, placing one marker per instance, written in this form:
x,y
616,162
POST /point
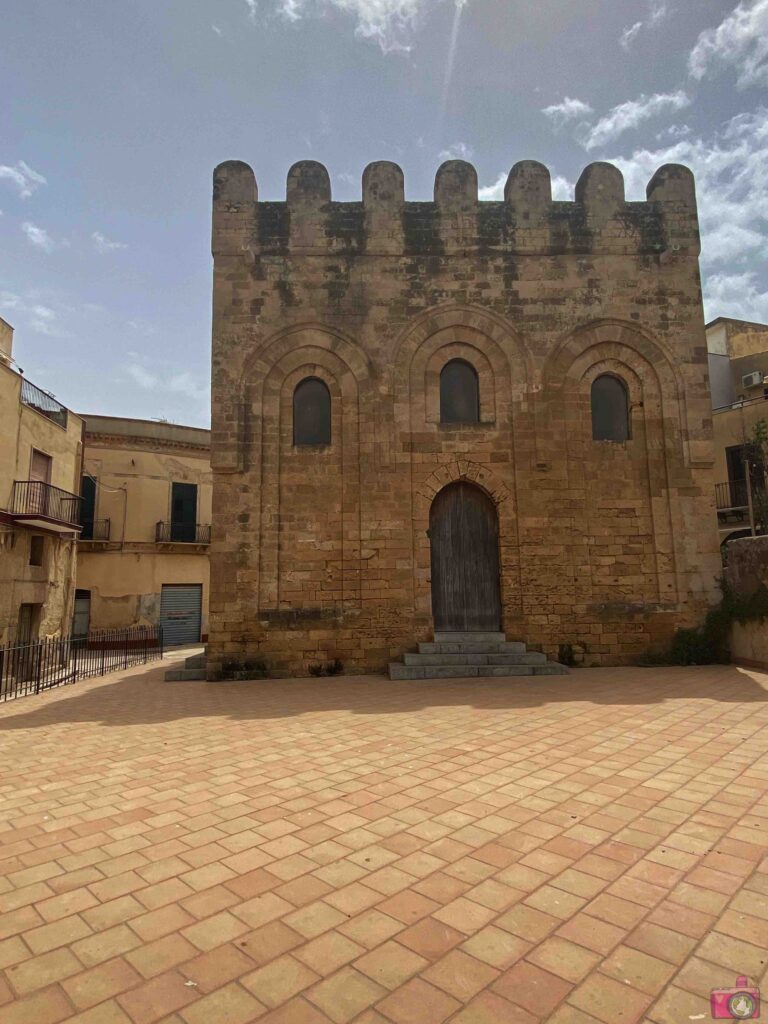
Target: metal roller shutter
x,y
181,607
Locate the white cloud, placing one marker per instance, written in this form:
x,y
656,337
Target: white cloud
x,y
741,40
43,320
217,30
561,188
631,114
38,236
142,377
567,110
104,245
253,8
657,13
390,23
736,295
629,35
189,385
456,151
731,169
23,177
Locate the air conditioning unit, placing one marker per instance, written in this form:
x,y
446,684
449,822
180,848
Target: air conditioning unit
x,y
752,380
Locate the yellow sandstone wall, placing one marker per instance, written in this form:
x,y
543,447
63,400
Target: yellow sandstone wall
x,y
322,553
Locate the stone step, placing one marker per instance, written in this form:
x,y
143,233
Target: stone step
x,y
469,637
175,674
195,661
404,672
528,658
473,647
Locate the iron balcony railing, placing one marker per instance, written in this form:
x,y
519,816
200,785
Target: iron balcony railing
x,y
34,498
183,533
95,529
43,403
731,495
43,664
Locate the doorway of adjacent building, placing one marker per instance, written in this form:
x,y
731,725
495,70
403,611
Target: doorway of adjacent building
x,y
181,610
464,543
81,622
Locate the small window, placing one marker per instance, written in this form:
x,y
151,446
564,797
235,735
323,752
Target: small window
x,y
311,413
36,550
459,393
610,409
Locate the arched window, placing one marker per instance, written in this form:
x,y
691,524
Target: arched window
x,y
311,413
610,409
459,393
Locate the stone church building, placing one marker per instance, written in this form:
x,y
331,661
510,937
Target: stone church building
x,y
457,416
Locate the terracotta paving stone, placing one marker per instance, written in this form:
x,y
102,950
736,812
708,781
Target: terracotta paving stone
x,y
489,1008
418,1002
41,971
231,1004
534,989
565,959
101,983
303,855
345,994
610,1001
162,954
157,998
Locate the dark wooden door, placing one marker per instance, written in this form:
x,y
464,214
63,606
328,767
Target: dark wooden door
x,y
183,511
464,540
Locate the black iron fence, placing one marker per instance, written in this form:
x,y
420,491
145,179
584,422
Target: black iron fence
x,y
731,495
43,403
30,668
183,533
35,498
95,529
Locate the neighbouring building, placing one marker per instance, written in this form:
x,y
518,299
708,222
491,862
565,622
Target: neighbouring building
x,y
143,559
738,368
40,460
457,416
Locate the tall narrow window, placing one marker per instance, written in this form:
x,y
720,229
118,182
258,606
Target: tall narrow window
x,y
311,413
610,409
87,506
459,393
183,511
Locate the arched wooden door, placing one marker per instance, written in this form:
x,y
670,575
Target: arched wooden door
x,y
464,542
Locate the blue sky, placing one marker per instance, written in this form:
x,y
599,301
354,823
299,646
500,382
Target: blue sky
x,y
113,116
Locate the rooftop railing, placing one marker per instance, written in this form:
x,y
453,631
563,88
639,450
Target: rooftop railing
x,y
43,403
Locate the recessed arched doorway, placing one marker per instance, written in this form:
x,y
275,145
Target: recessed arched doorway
x,y
464,545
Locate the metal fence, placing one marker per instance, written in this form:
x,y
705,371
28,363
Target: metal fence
x,y
35,498
30,668
183,533
43,403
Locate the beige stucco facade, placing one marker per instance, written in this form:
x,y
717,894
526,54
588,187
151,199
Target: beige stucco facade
x,y
124,567
736,349
38,523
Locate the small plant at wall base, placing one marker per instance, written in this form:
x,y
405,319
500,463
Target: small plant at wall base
x,y
247,668
756,454
330,668
709,644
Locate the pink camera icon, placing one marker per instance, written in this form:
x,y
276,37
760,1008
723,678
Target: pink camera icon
x,y
742,1002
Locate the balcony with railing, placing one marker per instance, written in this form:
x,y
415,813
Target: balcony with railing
x,y
43,403
96,529
41,505
182,533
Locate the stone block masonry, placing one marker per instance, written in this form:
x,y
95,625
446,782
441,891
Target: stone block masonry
x,y
321,552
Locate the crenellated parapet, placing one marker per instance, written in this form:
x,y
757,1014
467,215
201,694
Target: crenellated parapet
x,y
527,221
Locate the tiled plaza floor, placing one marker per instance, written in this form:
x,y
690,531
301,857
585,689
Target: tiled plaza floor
x,y
579,849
